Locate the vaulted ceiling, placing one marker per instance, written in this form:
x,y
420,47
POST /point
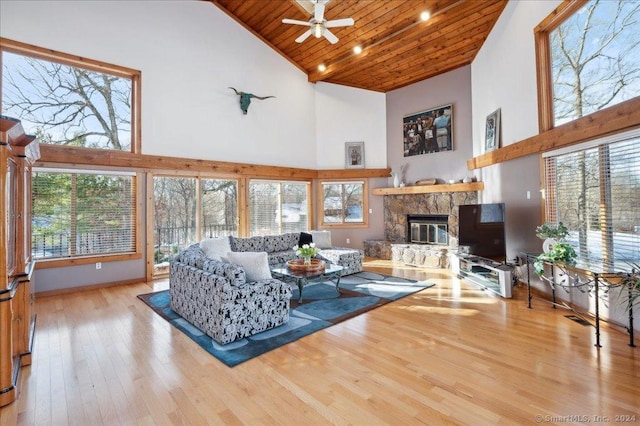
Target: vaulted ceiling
x,y
398,47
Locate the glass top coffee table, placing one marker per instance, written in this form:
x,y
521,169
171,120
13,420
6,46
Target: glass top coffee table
x,y
331,272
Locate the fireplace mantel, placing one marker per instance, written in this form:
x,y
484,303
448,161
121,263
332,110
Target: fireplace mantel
x,y
426,189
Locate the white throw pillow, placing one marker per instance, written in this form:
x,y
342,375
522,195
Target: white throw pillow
x,y
215,248
322,239
256,264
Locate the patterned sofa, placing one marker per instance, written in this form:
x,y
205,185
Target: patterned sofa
x,y
215,297
279,249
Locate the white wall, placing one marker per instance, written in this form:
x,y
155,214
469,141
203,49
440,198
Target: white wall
x,y
453,88
345,114
189,53
503,75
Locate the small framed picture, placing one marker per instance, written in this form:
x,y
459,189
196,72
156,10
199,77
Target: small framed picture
x,y
354,155
492,131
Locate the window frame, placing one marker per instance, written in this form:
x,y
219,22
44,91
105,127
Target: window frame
x,y
138,203
247,211
605,178
50,55
198,176
365,204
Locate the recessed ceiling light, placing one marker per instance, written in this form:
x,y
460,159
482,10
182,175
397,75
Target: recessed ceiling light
x,y
357,50
322,67
425,16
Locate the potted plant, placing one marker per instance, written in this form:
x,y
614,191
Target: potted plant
x,y
554,246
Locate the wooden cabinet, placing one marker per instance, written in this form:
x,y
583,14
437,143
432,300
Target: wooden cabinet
x,y
17,321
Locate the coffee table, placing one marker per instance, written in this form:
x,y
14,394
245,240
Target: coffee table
x,y
331,272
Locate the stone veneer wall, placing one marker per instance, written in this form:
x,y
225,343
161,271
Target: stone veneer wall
x,y
397,207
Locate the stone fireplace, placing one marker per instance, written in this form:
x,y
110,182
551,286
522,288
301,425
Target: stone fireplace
x,y
400,210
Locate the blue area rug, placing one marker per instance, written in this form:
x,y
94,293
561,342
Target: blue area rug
x,y
321,307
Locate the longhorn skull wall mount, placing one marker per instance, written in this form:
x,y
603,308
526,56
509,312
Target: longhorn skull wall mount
x,y
245,99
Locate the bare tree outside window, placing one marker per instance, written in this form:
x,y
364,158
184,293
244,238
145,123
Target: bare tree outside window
x,y
66,105
595,57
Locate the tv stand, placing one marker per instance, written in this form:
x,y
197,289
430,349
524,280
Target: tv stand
x,y
486,273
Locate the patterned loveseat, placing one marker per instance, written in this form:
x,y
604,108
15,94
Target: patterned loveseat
x,y
279,249
215,297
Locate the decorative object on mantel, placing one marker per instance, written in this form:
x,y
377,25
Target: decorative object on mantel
x,y
492,131
245,99
354,155
430,181
397,176
468,179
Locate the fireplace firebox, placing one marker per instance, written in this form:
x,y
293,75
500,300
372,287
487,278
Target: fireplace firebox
x,y
428,229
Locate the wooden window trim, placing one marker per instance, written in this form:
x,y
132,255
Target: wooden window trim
x,y
345,225
543,59
104,258
50,55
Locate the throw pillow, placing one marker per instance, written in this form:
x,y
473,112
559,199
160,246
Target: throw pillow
x,y
255,264
215,248
305,238
322,239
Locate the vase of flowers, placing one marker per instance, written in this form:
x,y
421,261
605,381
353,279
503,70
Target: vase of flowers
x,y
307,251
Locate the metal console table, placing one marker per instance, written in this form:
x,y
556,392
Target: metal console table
x,y
587,277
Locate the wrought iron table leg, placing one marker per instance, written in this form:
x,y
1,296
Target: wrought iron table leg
x,y
597,300
630,329
338,283
528,284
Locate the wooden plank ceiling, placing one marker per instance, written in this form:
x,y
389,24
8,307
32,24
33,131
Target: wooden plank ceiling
x,y
398,48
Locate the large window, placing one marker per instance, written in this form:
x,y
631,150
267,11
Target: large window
x,y
70,101
189,209
343,203
276,207
589,59
595,192
78,213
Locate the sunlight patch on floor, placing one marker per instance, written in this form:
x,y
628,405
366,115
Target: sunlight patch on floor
x,y
441,310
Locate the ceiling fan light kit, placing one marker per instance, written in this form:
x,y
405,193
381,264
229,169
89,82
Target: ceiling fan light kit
x,y
318,26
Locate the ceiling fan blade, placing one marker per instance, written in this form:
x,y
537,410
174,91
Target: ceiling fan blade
x,y
319,12
330,36
304,36
346,22
295,22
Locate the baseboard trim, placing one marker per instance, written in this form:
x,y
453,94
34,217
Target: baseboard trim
x,y
88,287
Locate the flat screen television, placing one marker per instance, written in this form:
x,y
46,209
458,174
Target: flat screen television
x,y
481,229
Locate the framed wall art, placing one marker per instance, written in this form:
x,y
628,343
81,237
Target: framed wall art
x,y
492,131
354,155
428,131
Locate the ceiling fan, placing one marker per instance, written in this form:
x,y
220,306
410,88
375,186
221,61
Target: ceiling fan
x,y
318,26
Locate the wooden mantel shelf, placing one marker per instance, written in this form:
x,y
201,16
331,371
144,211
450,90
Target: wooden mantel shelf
x,y
426,189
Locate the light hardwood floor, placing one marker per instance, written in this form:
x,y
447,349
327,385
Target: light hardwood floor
x,y
451,354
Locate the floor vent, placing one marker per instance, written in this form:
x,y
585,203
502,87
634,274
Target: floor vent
x,y
578,320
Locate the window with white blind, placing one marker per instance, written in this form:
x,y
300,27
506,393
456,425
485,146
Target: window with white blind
x,y
276,207
594,190
78,213
344,203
